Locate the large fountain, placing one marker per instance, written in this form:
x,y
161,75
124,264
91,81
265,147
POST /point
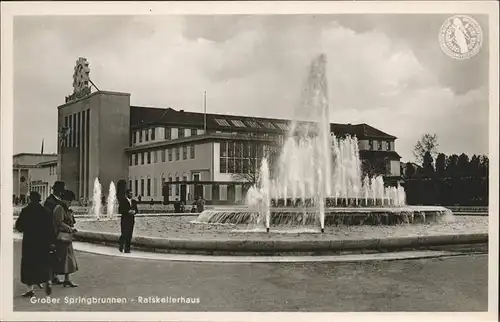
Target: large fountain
x,y
318,178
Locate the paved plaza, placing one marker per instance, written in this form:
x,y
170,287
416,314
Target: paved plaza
x,y
437,284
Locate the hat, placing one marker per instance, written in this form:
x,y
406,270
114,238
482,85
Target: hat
x,y
68,195
58,187
35,196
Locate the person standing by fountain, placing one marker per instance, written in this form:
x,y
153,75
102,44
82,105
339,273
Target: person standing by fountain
x,y
128,209
38,243
52,201
177,206
200,204
64,223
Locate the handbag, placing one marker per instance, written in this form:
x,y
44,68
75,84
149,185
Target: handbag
x,y
65,237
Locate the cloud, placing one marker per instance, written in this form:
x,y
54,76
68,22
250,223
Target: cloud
x,y
452,117
250,65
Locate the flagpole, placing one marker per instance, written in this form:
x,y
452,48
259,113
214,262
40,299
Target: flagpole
x,y
205,112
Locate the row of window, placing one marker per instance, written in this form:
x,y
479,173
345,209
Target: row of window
x,y
379,145
146,135
74,125
279,139
143,188
239,165
150,134
242,149
241,157
236,157
155,156
76,134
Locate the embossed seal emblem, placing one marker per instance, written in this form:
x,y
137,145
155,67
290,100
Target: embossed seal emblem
x,y
461,37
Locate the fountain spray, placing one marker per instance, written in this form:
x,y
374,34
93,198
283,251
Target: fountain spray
x,y
264,186
111,207
317,167
96,199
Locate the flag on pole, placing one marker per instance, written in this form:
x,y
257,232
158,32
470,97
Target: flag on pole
x,y
41,152
205,112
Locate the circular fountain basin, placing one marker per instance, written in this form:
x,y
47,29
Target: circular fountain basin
x,y
334,216
182,234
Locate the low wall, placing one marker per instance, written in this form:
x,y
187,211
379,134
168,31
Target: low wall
x,y
465,209
282,247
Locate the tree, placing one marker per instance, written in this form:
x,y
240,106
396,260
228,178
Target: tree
x,y
441,165
484,181
373,168
427,165
457,181
463,168
427,143
484,166
410,170
474,166
451,166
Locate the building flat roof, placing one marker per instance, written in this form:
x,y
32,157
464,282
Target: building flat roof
x,y
35,154
197,138
92,94
33,160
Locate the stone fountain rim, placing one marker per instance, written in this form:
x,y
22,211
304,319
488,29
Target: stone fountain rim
x,y
283,246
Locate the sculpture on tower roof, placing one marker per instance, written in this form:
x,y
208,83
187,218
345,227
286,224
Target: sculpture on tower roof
x,y
81,80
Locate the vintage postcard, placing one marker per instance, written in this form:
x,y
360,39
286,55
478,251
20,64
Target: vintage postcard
x,y
249,161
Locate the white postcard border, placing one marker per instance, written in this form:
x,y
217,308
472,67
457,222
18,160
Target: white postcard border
x,y
11,9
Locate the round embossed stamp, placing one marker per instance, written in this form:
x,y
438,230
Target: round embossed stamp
x,y
461,37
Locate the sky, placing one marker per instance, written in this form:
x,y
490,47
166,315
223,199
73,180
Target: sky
x,y
384,70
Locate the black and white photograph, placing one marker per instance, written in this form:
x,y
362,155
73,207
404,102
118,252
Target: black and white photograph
x,y
249,157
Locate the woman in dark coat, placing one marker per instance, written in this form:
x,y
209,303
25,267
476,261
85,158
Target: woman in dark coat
x,y
38,243
65,255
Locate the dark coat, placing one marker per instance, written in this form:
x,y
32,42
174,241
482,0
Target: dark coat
x,y
38,239
124,206
200,205
177,206
127,222
65,261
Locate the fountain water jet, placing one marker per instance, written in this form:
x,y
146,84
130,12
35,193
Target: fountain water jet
x,y
265,188
96,199
111,202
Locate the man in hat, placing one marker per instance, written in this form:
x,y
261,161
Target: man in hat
x,y
55,199
127,208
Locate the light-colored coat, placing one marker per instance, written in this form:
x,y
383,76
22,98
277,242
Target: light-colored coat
x,y
65,255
